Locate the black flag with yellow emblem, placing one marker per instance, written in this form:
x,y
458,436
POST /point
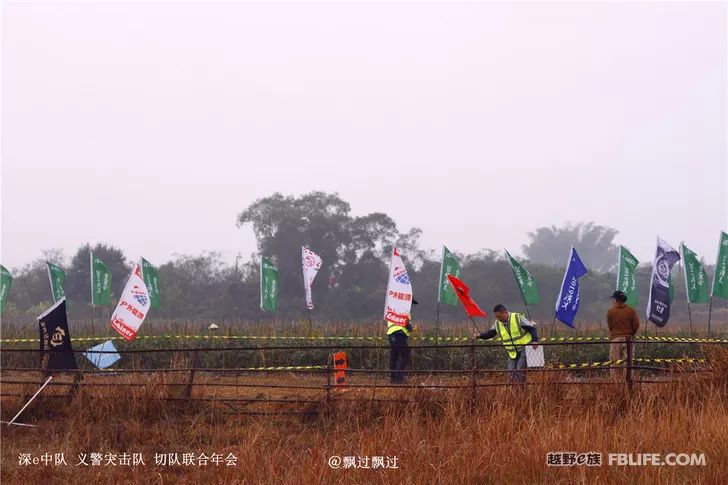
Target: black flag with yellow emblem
x,y
55,339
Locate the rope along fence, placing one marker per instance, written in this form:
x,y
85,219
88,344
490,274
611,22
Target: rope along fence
x,y
356,338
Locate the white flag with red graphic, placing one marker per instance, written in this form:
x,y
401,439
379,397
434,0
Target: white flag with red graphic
x,y
398,302
311,263
133,305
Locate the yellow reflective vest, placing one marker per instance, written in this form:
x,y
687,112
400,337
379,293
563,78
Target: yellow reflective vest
x,y
513,336
395,327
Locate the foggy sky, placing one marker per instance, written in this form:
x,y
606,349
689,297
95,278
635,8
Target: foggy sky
x,y
151,126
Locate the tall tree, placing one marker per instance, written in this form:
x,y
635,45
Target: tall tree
x,y
31,289
78,275
548,245
355,249
282,224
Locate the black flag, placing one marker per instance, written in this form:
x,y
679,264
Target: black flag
x,y
55,339
658,304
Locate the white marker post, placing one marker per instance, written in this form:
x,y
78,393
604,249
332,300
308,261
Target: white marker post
x,y
12,421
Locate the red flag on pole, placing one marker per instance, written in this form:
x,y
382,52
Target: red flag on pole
x,y
463,292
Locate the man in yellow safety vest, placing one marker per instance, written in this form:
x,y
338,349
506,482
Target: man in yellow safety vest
x,y
399,351
515,331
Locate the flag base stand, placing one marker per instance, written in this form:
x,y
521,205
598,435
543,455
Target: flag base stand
x,y
12,421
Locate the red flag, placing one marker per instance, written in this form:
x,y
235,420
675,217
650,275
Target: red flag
x,y
463,292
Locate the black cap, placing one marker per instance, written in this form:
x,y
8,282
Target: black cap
x,y
619,296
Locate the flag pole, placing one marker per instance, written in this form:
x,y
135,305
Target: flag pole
x,y
528,314
712,286
685,279
690,319
305,288
439,290
474,324
260,273
91,268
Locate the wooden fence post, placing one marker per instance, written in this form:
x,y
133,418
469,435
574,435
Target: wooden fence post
x,y
629,363
328,377
474,365
191,378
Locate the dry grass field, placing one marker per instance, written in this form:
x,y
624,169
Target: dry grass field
x,y
437,435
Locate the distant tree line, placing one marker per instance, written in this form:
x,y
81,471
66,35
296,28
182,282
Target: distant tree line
x,y
352,280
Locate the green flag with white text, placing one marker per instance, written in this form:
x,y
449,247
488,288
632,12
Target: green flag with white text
x,y
696,279
6,279
268,285
720,278
526,284
449,265
100,282
57,278
626,280
150,275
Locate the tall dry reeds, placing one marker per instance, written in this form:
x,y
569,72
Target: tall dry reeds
x,y
502,436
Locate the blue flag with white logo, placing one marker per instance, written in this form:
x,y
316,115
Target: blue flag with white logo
x,y
567,304
103,355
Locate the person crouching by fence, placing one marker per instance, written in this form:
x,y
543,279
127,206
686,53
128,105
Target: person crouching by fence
x,y
515,331
623,322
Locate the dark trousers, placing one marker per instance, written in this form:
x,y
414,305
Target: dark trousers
x,y
399,356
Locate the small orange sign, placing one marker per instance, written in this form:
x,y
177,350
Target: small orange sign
x,y
340,368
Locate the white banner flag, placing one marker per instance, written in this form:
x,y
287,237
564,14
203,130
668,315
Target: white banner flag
x,y
311,263
133,305
398,302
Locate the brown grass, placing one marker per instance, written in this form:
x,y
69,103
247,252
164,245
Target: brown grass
x,y
438,437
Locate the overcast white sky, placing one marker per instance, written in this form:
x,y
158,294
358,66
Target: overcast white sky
x,y
150,126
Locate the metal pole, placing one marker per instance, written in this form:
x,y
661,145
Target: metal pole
x,y
474,324
31,399
437,324
710,312
308,310
528,314
687,291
